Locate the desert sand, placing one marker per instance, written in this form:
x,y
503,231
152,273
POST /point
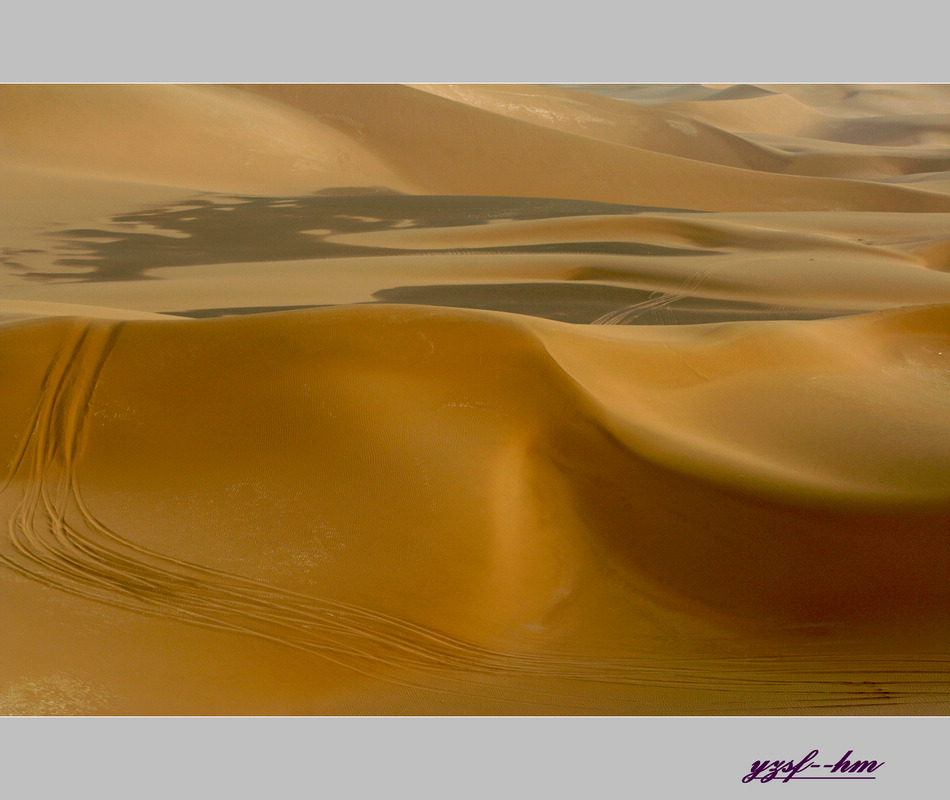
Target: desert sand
x,y
425,400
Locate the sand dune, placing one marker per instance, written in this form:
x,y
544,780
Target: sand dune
x,y
474,399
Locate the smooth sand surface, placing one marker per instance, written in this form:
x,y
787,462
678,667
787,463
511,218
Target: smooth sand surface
x,y
376,399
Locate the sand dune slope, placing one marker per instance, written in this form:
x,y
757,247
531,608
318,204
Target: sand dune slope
x,y
357,492
486,141
376,399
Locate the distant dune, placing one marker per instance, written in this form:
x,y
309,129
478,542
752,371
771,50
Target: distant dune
x,y
378,399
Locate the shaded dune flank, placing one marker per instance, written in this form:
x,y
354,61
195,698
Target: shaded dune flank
x,y
492,399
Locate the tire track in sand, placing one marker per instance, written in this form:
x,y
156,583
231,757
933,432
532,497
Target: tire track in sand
x,y
53,537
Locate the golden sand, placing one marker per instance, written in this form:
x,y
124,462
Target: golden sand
x,y
375,399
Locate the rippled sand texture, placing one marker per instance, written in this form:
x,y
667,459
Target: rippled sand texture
x,y
475,399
